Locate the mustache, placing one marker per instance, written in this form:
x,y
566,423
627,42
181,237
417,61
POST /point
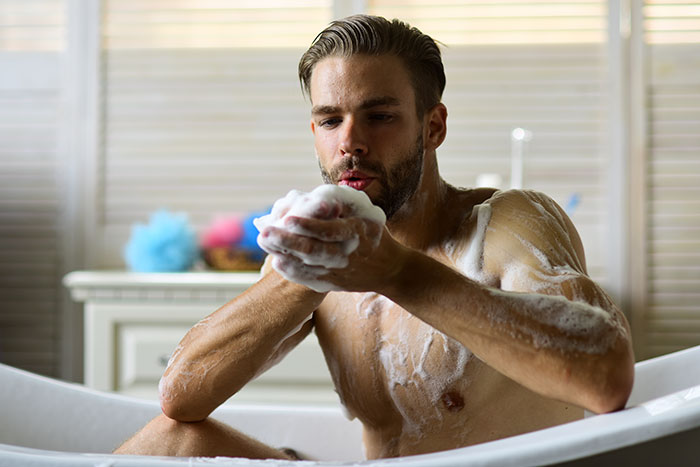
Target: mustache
x,y
359,164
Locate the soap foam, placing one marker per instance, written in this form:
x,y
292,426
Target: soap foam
x,y
324,202
372,304
543,286
354,203
574,321
416,377
471,263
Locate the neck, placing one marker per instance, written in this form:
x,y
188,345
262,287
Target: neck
x,y
418,224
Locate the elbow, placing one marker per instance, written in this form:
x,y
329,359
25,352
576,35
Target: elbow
x,y
613,389
610,400
176,406
181,413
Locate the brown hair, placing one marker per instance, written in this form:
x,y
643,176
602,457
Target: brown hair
x,y
374,35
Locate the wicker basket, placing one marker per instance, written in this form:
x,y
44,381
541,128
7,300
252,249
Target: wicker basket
x,y
230,259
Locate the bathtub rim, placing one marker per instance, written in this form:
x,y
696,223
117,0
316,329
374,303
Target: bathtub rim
x,y
637,424
562,443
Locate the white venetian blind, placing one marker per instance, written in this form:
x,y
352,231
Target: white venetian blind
x,y
536,65
31,47
673,46
203,112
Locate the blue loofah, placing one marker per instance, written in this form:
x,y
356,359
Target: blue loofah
x,y
166,244
249,242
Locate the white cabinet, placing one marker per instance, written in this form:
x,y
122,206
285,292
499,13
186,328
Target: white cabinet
x,y
134,321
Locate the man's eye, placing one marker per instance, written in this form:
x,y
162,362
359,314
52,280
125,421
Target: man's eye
x,y
329,122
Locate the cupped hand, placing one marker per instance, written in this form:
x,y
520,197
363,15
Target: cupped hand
x,y
351,254
333,238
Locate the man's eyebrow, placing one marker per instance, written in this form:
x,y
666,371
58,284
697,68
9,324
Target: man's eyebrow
x,y
323,109
368,104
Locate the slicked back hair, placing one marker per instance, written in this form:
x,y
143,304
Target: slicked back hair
x,y
375,36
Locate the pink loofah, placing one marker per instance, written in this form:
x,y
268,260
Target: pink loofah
x,y
224,231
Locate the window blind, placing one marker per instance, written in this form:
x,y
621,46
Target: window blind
x,y
193,121
203,112
31,44
535,65
672,33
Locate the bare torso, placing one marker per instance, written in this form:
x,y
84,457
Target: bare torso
x,y
415,389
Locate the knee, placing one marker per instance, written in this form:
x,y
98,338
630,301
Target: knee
x,y
163,427
165,424
162,436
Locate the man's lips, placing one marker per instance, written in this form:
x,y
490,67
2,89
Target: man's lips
x,y
355,179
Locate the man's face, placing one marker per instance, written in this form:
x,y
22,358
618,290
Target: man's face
x,y
367,134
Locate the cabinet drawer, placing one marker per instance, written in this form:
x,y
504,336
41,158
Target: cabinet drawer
x,y
143,350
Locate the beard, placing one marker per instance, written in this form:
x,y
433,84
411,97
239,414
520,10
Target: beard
x,y
396,184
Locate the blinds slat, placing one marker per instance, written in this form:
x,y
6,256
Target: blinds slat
x,y
31,46
674,174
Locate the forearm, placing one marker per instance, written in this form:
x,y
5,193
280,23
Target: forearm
x,y
566,350
224,351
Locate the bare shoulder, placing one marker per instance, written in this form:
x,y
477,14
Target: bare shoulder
x,y
528,229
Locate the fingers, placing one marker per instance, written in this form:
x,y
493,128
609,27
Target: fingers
x,y
324,230
326,210
313,251
283,210
309,250
295,270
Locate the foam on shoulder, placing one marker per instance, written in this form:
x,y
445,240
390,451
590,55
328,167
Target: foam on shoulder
x,y
472,262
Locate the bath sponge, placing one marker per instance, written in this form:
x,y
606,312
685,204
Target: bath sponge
x,y
223,232
249,241
166,244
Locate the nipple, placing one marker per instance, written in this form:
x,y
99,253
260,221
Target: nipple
x,y
453,401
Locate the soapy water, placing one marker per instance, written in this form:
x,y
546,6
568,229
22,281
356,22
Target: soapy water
x,y
327,202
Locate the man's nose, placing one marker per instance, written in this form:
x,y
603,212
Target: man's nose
x,y
352,141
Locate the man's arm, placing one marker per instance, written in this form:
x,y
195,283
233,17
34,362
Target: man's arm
x,y
551,329
532,338
224,351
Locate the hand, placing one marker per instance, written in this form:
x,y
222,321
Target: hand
x,y
330,246
350,254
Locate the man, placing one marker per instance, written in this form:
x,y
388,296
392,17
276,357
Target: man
x,y
468,317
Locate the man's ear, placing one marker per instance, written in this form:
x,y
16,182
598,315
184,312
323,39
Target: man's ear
x,y
313,126
436,126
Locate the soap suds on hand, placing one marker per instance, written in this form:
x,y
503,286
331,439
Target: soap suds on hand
x,y
324,202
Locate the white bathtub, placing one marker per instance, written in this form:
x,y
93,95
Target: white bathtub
x,y
44,422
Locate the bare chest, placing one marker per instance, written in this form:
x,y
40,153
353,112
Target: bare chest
x,y
391,368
